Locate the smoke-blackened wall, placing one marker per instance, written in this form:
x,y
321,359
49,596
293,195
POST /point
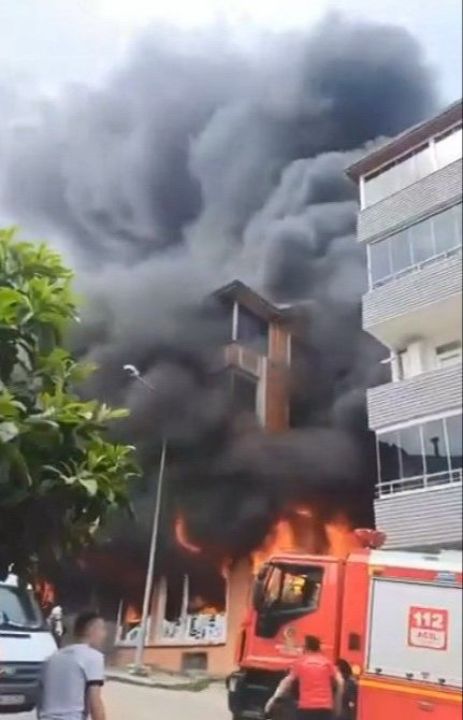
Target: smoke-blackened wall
x,y
199,161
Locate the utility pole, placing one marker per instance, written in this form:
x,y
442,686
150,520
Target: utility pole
x,y
148,594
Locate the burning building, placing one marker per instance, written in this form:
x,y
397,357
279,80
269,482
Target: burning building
x,y
200,598
199,602
196,162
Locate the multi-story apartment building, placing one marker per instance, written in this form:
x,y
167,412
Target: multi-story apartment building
x,y
411,222
197,608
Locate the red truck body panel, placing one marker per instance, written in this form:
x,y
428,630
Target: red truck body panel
x,y
279,653
393,617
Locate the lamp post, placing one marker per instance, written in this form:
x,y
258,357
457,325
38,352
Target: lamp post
x,y
140,647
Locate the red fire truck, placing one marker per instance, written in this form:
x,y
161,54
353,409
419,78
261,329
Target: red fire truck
x,y
394,617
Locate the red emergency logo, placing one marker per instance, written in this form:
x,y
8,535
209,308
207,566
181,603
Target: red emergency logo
x,y
428,628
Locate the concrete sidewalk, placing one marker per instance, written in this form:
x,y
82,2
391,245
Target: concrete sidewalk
x,y
162,680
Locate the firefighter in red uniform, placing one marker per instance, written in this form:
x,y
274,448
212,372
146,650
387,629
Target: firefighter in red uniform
x,y
315,675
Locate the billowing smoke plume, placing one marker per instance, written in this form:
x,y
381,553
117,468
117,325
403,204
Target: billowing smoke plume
x,y
200,161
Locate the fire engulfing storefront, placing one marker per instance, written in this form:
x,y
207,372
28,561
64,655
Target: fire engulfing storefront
x,y
195,620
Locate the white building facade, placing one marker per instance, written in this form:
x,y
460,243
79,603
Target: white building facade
x,y
411,221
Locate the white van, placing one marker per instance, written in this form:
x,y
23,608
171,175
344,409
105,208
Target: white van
x,y
25,643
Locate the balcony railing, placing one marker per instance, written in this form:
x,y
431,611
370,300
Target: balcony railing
x,y
415,267
244,358
420,482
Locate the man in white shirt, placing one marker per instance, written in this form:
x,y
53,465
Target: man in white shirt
x,y
72,679
56,624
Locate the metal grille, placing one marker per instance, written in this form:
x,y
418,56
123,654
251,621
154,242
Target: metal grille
x,y
19,673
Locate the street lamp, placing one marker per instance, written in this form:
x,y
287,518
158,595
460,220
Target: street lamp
x,y
140,648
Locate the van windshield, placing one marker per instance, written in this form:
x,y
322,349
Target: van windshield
x,y
18,610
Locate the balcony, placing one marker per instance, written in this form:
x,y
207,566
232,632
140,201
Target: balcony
x,y
427,394
421,512
431,193
245,359
417,303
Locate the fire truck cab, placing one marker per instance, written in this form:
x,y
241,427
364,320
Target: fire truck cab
x,y
394,617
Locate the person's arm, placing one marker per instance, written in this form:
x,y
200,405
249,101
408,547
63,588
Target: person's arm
x,y
339,693
95,677
282,690
95,703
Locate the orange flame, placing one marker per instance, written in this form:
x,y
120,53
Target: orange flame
x,y
46,593
183,540
281,539
342,537
300,530
132,615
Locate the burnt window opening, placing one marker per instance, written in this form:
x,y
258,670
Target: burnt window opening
x,y
175,597
241,325
129,621
243,393
207,593
252,331
195,608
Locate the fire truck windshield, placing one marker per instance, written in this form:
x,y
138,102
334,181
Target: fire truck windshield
x,y
286,592
290,587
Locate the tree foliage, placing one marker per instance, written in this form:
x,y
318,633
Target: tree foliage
x,y
59,475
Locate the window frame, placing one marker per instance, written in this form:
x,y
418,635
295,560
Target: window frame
x,y
449,351
430,222
285,571
429,146
387,487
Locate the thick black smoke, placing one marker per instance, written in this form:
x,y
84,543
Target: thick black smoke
x,y
200,161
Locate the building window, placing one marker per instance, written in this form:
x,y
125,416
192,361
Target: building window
x,y
414,166
427,241
419,456
380,262
399,174
243,390
455,440
252,331
449,354
401,252
193,609
435,448
129,624
389,454
234,323
410,452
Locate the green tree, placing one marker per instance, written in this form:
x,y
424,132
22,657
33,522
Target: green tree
x,y
59,476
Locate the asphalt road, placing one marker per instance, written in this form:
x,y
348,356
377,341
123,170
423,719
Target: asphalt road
x,y
126,702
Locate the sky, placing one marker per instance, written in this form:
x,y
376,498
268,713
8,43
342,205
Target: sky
x,y
55,42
